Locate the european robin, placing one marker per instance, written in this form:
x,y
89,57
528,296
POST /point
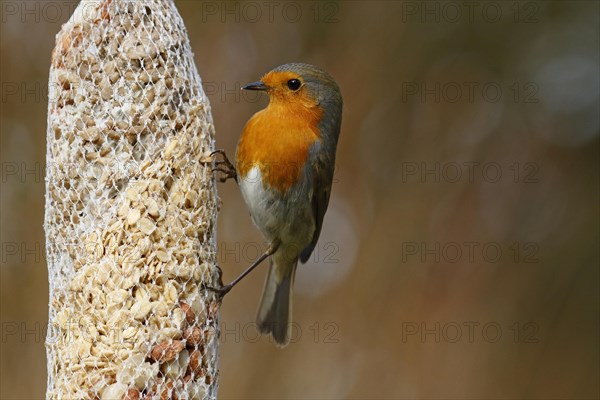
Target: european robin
x,y
284,162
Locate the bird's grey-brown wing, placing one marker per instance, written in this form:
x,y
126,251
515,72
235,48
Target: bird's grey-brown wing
x,y
322,178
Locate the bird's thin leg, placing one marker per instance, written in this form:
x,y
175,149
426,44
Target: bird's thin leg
x,y
224,166
222,291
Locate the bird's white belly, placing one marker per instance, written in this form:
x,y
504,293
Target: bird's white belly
x,y
292,224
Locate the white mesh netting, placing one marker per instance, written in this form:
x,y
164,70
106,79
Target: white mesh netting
x,y
130,209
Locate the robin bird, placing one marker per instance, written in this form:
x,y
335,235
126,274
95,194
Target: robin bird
x,y
284,166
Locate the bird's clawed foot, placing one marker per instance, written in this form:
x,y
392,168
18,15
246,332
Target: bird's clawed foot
x,y
220,292
224,166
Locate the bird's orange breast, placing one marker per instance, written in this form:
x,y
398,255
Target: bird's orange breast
x,y
277,140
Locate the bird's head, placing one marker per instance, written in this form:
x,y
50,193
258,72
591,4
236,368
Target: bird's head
x,y
302,85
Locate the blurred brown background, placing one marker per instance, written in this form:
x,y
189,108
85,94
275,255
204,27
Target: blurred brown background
x,y
459,257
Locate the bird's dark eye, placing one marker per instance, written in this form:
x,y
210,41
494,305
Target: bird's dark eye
x,y
294,84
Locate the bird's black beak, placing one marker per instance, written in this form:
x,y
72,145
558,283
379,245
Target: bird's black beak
x,y
255,86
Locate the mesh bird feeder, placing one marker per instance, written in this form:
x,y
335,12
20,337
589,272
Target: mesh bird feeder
x,y
130,209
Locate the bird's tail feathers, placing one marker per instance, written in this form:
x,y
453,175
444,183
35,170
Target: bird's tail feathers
x,y
275,310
